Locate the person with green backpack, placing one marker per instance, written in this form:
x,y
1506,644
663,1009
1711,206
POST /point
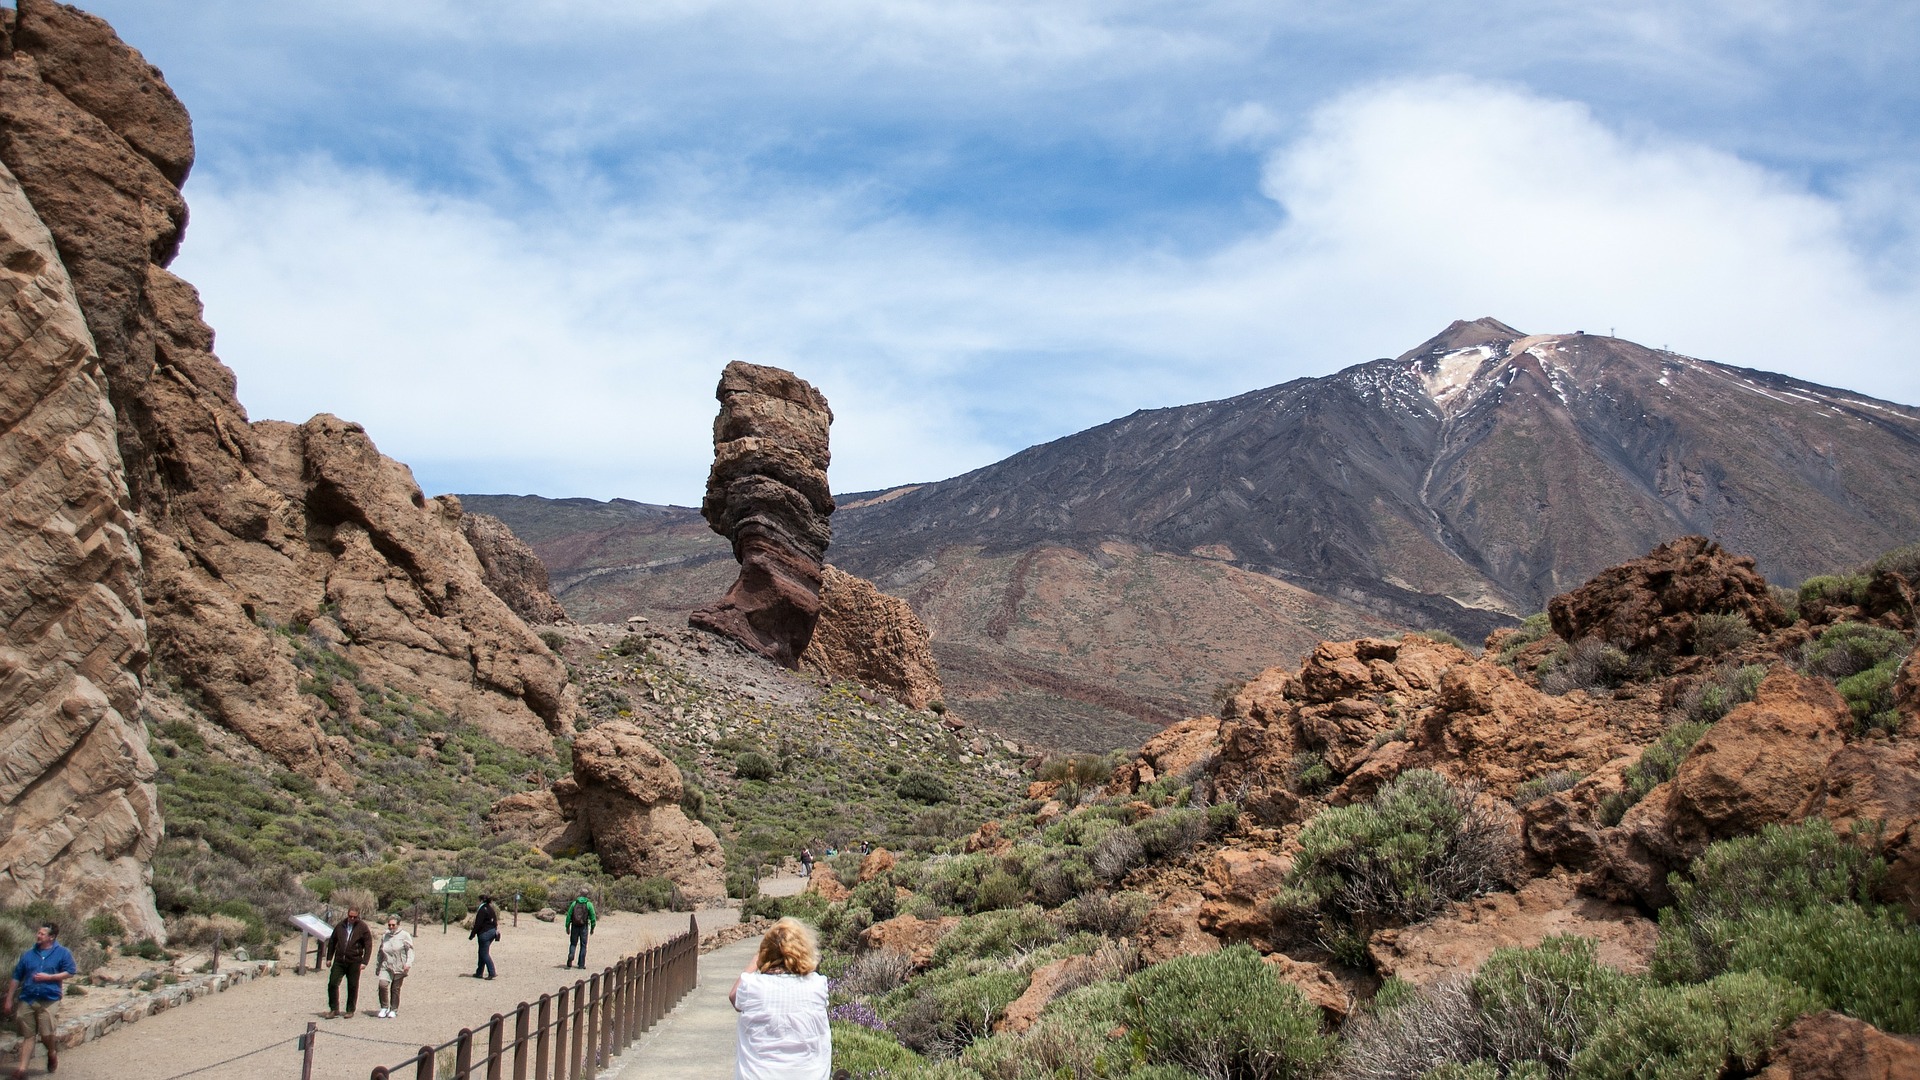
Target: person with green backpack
x,y
581,919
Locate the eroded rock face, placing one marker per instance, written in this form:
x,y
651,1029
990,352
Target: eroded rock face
x,y
628,793
77,797
243,527
1460,939
1650,604
767,493
511,569
1834,1046
868,637
910,936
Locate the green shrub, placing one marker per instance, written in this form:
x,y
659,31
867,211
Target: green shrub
x,y
1833,590
1439,636
1865,963
1720,632
1225,1014
1532,791
923,787
631,645
940,1014
553,640
996,933
105,928
1658,763
1587,664
1849,648
1531,629
1171,832
861,1051
1693,1032
1309,773
1541,1004
754,765
1715,697
1869,695
1782,868
1420,844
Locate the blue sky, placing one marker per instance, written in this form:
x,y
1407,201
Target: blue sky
x,y
519,241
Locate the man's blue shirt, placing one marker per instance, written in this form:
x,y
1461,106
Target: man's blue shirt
x,y
55,959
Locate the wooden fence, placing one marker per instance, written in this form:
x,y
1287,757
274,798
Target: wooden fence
x,y
570,1035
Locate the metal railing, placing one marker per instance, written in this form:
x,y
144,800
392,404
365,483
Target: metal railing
x,y
570,1035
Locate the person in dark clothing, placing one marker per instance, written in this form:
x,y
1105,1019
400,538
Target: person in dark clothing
x,y
486,930
348,950
581,919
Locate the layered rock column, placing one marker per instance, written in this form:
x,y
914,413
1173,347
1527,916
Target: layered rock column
x,y
77,796
768,494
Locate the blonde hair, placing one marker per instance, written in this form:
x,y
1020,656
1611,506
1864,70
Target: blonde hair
x,y
789,947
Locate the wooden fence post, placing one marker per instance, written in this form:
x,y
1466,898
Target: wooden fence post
x,y
463,1055
520,1019
306,1053
560,1018
496,1031
574,1052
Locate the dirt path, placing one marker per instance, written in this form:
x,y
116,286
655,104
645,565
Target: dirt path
x,y
440,998
695,1041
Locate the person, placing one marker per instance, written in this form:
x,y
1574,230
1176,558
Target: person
x,y
348,950
806,863
486,929
782,1031
395,963
34,991
582,920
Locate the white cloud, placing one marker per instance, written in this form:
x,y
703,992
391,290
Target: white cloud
x,y
577,354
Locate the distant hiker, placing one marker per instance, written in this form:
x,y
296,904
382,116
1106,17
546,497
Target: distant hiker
x,y
582,919
486,929
782,1030
806,863
34,992
393,966
348,950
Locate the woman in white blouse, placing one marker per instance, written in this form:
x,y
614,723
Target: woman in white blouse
x,y
782,1002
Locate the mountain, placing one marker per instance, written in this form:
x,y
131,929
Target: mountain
x,y
1086,589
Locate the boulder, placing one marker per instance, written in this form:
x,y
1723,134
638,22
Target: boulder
x,y
1650,603
1238,883
767,493
988,838
1319,985
1833,1046
628,793
877,862
1875,786
909,936
1460,939
79,818
1177,748
511,569
1048,982
1172,928
827,883
865,636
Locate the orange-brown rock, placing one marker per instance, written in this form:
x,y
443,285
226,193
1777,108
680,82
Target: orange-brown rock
x,y
79,818
1764,763
511,569
875,863
988,838
1172,928
907,935
1173,751
539,818
1906,694
1321,987
767,493
1833,1046
1237,884
827,883
243,527
1459,940
1651,602
628,793
865,636
1048,982
1875,786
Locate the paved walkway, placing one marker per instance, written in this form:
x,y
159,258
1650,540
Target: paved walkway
x,y
695,1041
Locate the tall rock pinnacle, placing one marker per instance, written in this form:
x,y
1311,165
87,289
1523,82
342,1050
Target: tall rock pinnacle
x,y
768,494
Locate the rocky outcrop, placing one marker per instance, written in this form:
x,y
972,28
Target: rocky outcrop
x,y
1874,788
1833,1046
1239,885
1651,603
909,936
628,793
511,569
865,636
1172,928
244,528
77,797
768,495
1461,939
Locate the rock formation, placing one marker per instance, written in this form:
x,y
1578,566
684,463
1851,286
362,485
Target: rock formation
x,y
628,793
76,783
767,493
1651,603
511,569
868,637
218,531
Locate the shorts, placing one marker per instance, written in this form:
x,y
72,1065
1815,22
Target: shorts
x,y
34,1019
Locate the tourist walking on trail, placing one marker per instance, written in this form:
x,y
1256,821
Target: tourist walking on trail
x,y
349,949
582,920
486,930
806,863
34,992
782,1030
396,961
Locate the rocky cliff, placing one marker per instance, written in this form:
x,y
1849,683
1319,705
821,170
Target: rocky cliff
x,y
868,637
224,534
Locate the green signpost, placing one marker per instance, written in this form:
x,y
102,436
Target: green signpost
x,y
446,887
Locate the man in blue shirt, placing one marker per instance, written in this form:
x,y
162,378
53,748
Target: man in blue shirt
x,y
35,989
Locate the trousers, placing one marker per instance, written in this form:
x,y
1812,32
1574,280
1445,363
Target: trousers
x,y
349,972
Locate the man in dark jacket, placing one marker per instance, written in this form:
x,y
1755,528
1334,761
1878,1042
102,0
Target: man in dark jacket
x,y
581,920
349,949
486,928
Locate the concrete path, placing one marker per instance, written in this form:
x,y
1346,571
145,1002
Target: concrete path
x,y
695,1041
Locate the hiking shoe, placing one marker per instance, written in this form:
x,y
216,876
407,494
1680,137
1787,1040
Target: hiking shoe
x,y
349,1015
330,1014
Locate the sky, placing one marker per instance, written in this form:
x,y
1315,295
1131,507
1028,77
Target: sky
x,y
519,241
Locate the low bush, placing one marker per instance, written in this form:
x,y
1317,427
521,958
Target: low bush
x,y
1419,845
1658,763
1849,648
996,933
923,787
1225,1014
874,972
1439,636
944,1012
1693,1032
860,1051
1720,632
1116,852
1869,696
1829,590
1533,628
1172,832
1113,915
1406,1039
1864,963
1541,1004
1714,697
1587,664
1308,773
1532,791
